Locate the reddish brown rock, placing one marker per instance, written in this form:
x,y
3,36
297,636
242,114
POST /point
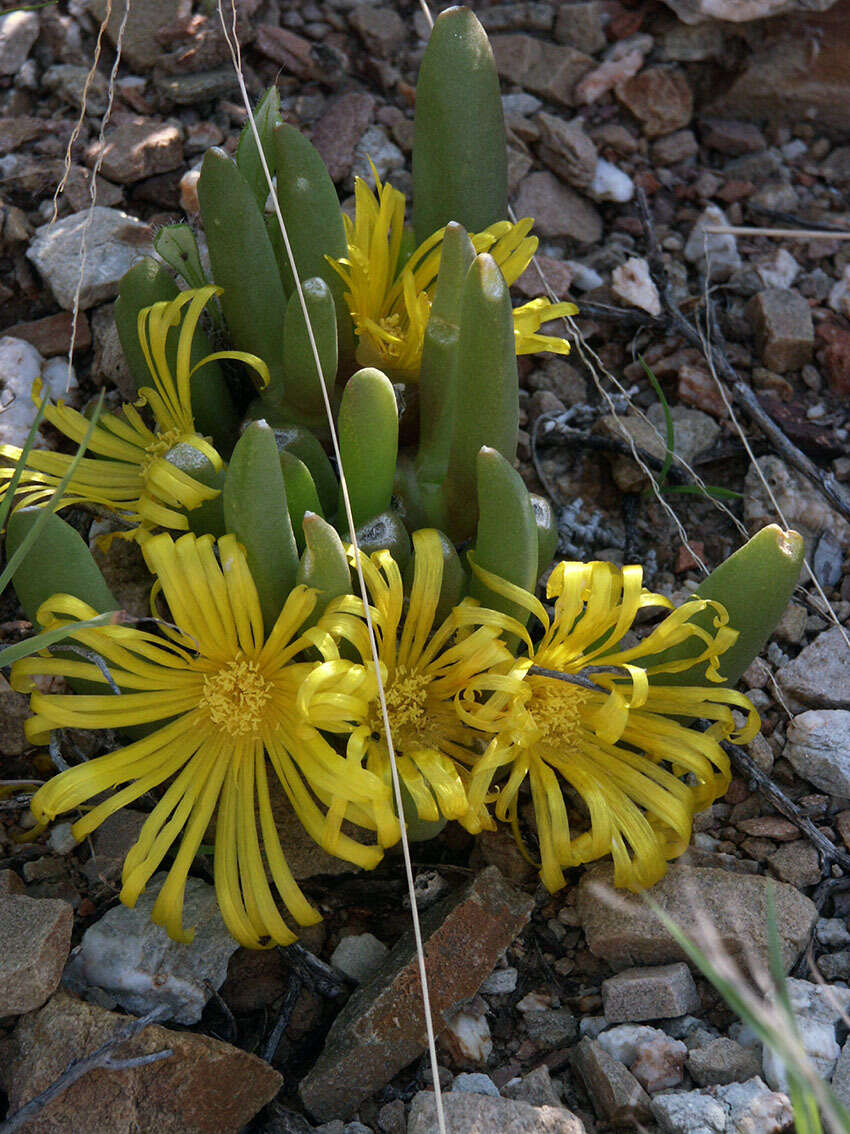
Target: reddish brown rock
x,y
546,69
382,1028
205,1087
138,149
340,128
35,936
557,273
15,131
52,335
660,98
288,49
836,356
782,320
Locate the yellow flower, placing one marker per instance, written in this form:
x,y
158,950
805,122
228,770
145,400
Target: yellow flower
x,y
129,474
390,305
614,742
424,668
222,697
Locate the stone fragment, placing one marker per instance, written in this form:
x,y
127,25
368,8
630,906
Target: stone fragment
x,y
820,676
610,183
203,86
660,98
778,269
617,1096
535,1088
673,148
551,1028
818,747
135,961
796,863
716,253
731,137
723,1061
832,932
567,150
111,843
341,126
741,11
694,432
20,366
18,32
51,335
841,1075
806,511
467,1035
625,932
608,76
659,1064
654,993
499,982
817,1009
558,273
632,283
582,25
785,335
205,1087
23,128
753,1108
381,29
475,1083
358,956
689,1112
624,1041
140,44
558,210
382,1029
479,1114
35,937
139,148
114,242
374,149
546,69
835,349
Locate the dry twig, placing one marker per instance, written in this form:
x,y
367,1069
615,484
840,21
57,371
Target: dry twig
x,y
100,1060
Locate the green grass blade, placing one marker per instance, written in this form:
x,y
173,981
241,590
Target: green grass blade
x,y
33,533
668,421
51,637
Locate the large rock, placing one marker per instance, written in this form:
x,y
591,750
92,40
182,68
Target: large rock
x,y
114,242
382,1027
622,929
819,676
205,1087
741,11
135,961
35,936
785,76
818,746
546,69
484,1114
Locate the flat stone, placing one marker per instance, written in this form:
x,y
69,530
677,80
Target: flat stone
x,y
115,241
551,1028
35,937
382,1027
582,25
617,1096
558,210
558,274
819,676
660,98
567,150
729,136
135,961
818,747
796,863
723,1061
140,46
654,993
340,128
51,335
18,32
138,149
381,29
479,1114
205,1087
625,932
689,1112
546,69
73,84
15,131
770,827
475,1083
785,335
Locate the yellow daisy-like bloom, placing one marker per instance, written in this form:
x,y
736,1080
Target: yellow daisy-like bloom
x,y
222,696
424,668
614,740
129,475
390,307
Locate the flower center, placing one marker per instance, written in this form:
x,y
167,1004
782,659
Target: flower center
x,y
556,707
162,444
235,697
407,702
